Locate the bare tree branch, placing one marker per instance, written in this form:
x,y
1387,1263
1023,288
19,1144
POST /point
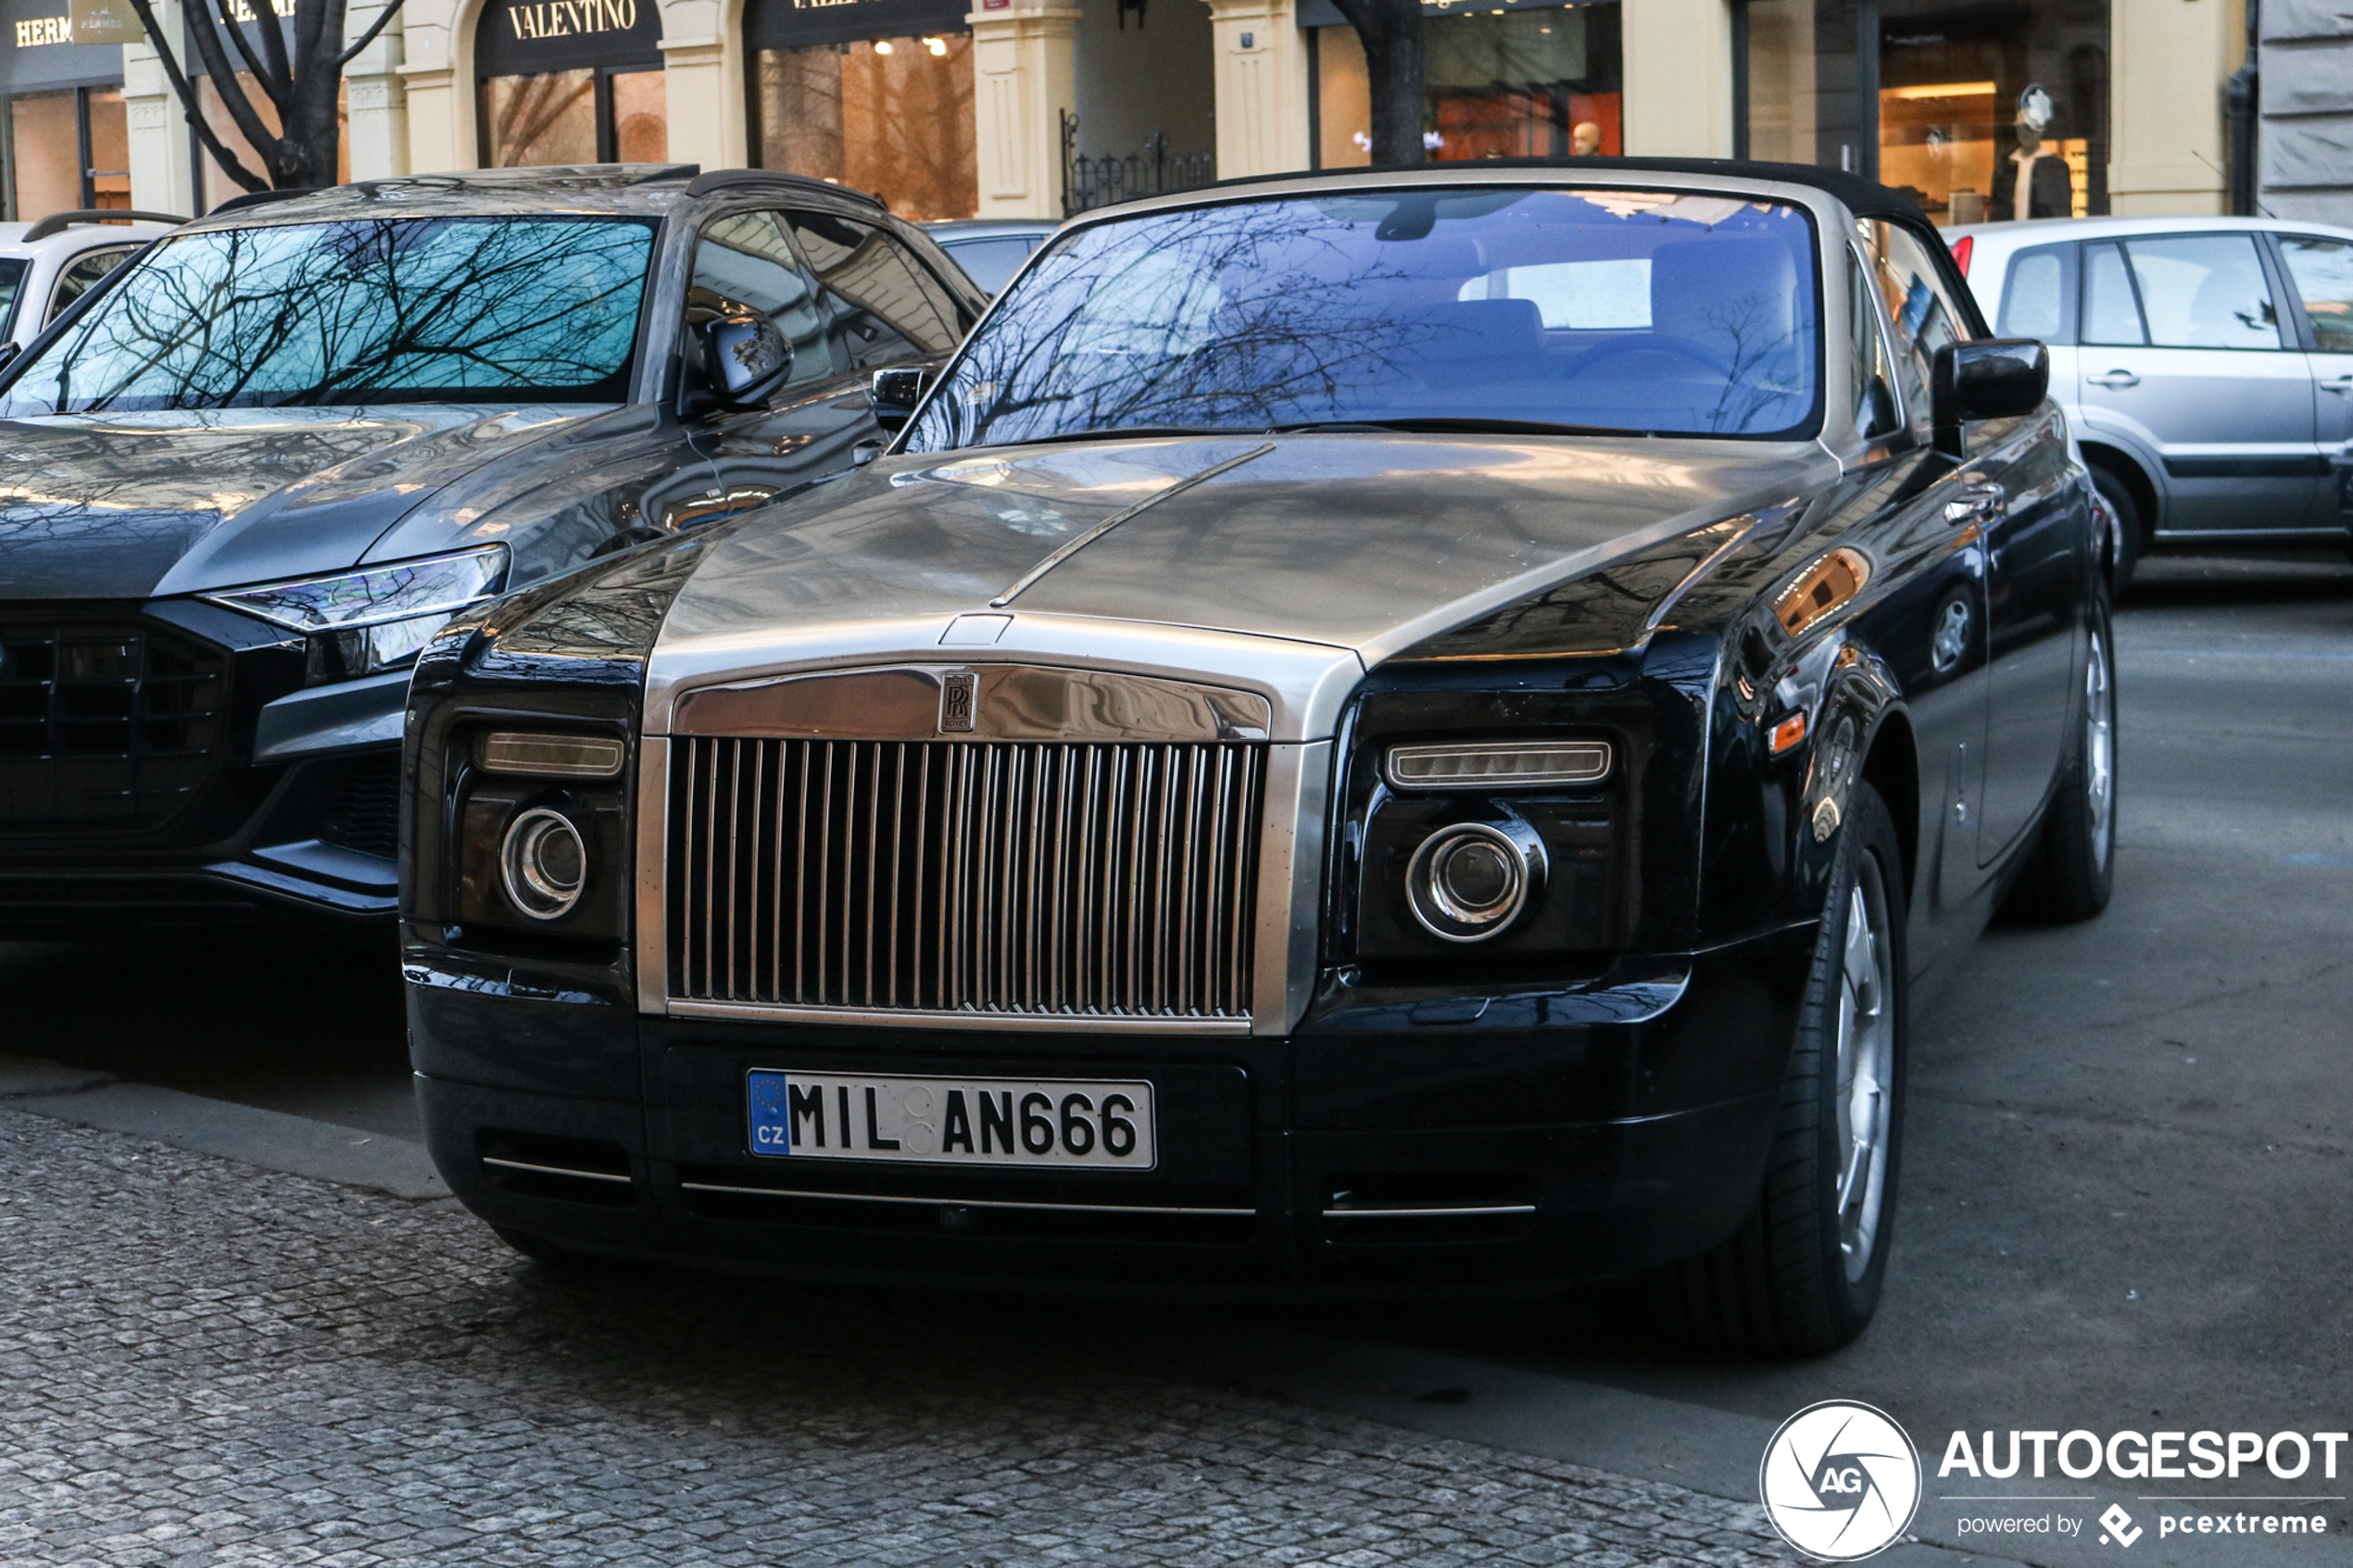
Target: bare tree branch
x,y
190,107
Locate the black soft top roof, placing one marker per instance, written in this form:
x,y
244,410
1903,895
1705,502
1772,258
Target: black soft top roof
x,y
1865,198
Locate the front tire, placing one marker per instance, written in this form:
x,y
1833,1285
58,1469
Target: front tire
x,y
1802,1275
2122,551
2072,874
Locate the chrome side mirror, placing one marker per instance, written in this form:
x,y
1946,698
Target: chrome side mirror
x,y
746,356
893,394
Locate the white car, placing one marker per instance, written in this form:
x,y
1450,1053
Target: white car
x,y
2205,365
47,265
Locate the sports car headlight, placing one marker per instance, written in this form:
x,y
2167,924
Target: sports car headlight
x,y
377,618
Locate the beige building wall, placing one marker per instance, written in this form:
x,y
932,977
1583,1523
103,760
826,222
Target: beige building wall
x,y
2167,151
1678,78
1023,85
1261,75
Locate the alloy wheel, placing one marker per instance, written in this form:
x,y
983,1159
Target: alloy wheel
x,y
1866,1059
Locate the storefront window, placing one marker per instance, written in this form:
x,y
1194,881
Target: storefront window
x,y
570,82
64,141
892,117
1520,81
875,95
69,150
1986,111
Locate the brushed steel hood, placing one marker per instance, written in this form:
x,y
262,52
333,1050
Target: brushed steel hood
x,y
1289,574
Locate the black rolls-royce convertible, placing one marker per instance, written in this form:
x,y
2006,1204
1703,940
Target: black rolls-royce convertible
x,y
1391,732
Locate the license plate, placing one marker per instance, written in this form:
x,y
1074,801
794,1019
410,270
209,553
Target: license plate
x,y
1093,1124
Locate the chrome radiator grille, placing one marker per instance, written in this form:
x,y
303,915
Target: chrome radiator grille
x,y
1042,879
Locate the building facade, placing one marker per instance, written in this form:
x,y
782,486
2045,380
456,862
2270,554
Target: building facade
x,y
1032,108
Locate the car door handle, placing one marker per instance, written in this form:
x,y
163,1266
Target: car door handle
x,y
2338,384
2117,379
1978,498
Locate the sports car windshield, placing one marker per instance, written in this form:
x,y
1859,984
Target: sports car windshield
x,y
386,310
1633,311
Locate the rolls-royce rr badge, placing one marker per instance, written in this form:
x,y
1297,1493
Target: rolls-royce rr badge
x,y
957,694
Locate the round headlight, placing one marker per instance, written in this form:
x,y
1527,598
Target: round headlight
x,y
543,863
1468,881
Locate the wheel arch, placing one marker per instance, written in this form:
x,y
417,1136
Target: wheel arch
x,y
1892,766
2128,471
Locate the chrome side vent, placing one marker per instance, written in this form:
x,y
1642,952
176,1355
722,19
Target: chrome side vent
x,y
1112,879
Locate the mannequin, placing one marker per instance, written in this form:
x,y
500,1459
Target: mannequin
x,y
2037,184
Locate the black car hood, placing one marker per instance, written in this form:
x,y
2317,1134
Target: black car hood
x,y
1360,541
133,505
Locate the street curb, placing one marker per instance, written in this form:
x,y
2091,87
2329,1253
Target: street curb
x,y
270,1139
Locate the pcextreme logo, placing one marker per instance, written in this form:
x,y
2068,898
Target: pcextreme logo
x,y
1840,1481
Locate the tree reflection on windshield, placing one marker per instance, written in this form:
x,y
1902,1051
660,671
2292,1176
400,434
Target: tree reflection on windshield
x,y
1654,312
385,310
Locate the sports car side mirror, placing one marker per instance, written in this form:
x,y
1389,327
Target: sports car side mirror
x,y
894,393
1992,379
746,357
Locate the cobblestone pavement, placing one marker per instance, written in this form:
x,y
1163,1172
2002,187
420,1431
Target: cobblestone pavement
x,y
204,1363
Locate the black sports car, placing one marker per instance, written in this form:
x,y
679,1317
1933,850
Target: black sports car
x,y
243,480
1382,732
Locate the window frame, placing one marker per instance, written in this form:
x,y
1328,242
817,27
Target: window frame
x,y
2307,337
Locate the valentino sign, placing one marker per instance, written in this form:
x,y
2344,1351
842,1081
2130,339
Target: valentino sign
x,y
567,18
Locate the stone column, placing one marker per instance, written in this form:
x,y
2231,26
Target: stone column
x,y
1022,84
378,101
436,76
703,82
1678,78
162,173
2167,149
1262,88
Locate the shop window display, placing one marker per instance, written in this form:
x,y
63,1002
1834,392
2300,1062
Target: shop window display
x,y
1500,82
1986,111
551,94
892,117
69,149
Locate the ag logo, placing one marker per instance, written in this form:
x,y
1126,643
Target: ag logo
x,y
1840,1481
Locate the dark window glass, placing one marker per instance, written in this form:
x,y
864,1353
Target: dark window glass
x,y
389,310
2033,305
742,261
990,263
12,270
2204,291
1924,313
83,271
2322,273
1610,310
1875,409
2110,315
888,306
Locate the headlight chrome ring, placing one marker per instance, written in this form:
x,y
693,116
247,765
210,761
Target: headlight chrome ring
x,y
1469,882
544,863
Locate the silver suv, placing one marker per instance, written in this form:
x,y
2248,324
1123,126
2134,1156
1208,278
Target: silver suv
x,y
2206,364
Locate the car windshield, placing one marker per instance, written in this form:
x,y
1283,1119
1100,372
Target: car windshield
x,y
386,310
1652,312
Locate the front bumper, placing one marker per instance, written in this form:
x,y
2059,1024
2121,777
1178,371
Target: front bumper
x,y
161,763
1393,1144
